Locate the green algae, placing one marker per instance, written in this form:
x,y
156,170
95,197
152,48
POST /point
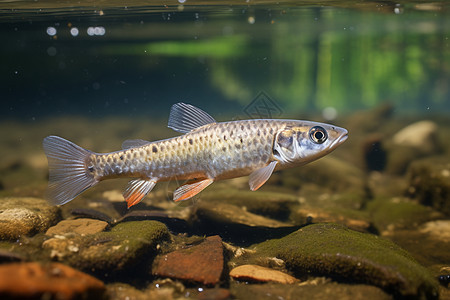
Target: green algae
x,y
335,251
399,213
115,250
429,182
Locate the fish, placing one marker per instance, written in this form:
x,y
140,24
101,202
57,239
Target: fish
x,y
207,151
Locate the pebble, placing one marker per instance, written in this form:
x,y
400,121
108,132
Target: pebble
x,y
439,229
421,135
21,216
47,281
79,226
202,263
257,273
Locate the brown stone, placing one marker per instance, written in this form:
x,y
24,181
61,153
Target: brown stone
x,y
260,274
202,263
49,281
79,226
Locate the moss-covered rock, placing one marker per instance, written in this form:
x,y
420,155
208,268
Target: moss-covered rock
x,y
115,250
397,213
21,216
429,183
334,251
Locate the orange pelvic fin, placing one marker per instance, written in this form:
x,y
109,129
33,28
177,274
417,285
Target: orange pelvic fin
x,y
137,190
190,189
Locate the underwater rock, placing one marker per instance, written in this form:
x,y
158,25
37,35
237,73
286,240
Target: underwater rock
x,y
177,221
79,226
47,281
429,183
236,224
439,230
421,136
388,214
411,143
274,205
125,291
25,216
334,251
214,294
424,246
257,273
202,263
352,218
310,291
114,250
91,214
7,256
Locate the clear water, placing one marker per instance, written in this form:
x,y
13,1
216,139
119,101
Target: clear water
x,y
133,60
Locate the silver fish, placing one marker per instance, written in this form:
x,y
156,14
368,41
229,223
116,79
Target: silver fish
x,y
207,151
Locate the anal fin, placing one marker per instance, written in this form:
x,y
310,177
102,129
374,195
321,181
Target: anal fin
x,y
260,176
190,189
137,189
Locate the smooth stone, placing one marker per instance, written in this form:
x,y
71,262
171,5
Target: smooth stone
x,y
353,219
426,248
227,213
21,216
202,263
274,205
261,274
334,251
47,281
312,291
79,226
236,224
429,182
176,221
116,250
439,229
421,135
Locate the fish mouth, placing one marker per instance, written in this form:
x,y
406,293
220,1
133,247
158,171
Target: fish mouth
x,y
341,139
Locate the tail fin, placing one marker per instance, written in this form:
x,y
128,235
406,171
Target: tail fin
x,y
68,172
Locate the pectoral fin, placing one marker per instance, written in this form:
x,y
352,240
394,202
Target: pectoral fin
x,y
260,176
190,189
137,190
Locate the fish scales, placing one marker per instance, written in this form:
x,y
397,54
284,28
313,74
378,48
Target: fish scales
x,y
220,150
206,152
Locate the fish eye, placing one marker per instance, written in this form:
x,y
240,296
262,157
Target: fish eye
x,y
318,134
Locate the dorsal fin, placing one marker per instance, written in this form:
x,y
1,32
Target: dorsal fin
x,y
185,118
133,144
